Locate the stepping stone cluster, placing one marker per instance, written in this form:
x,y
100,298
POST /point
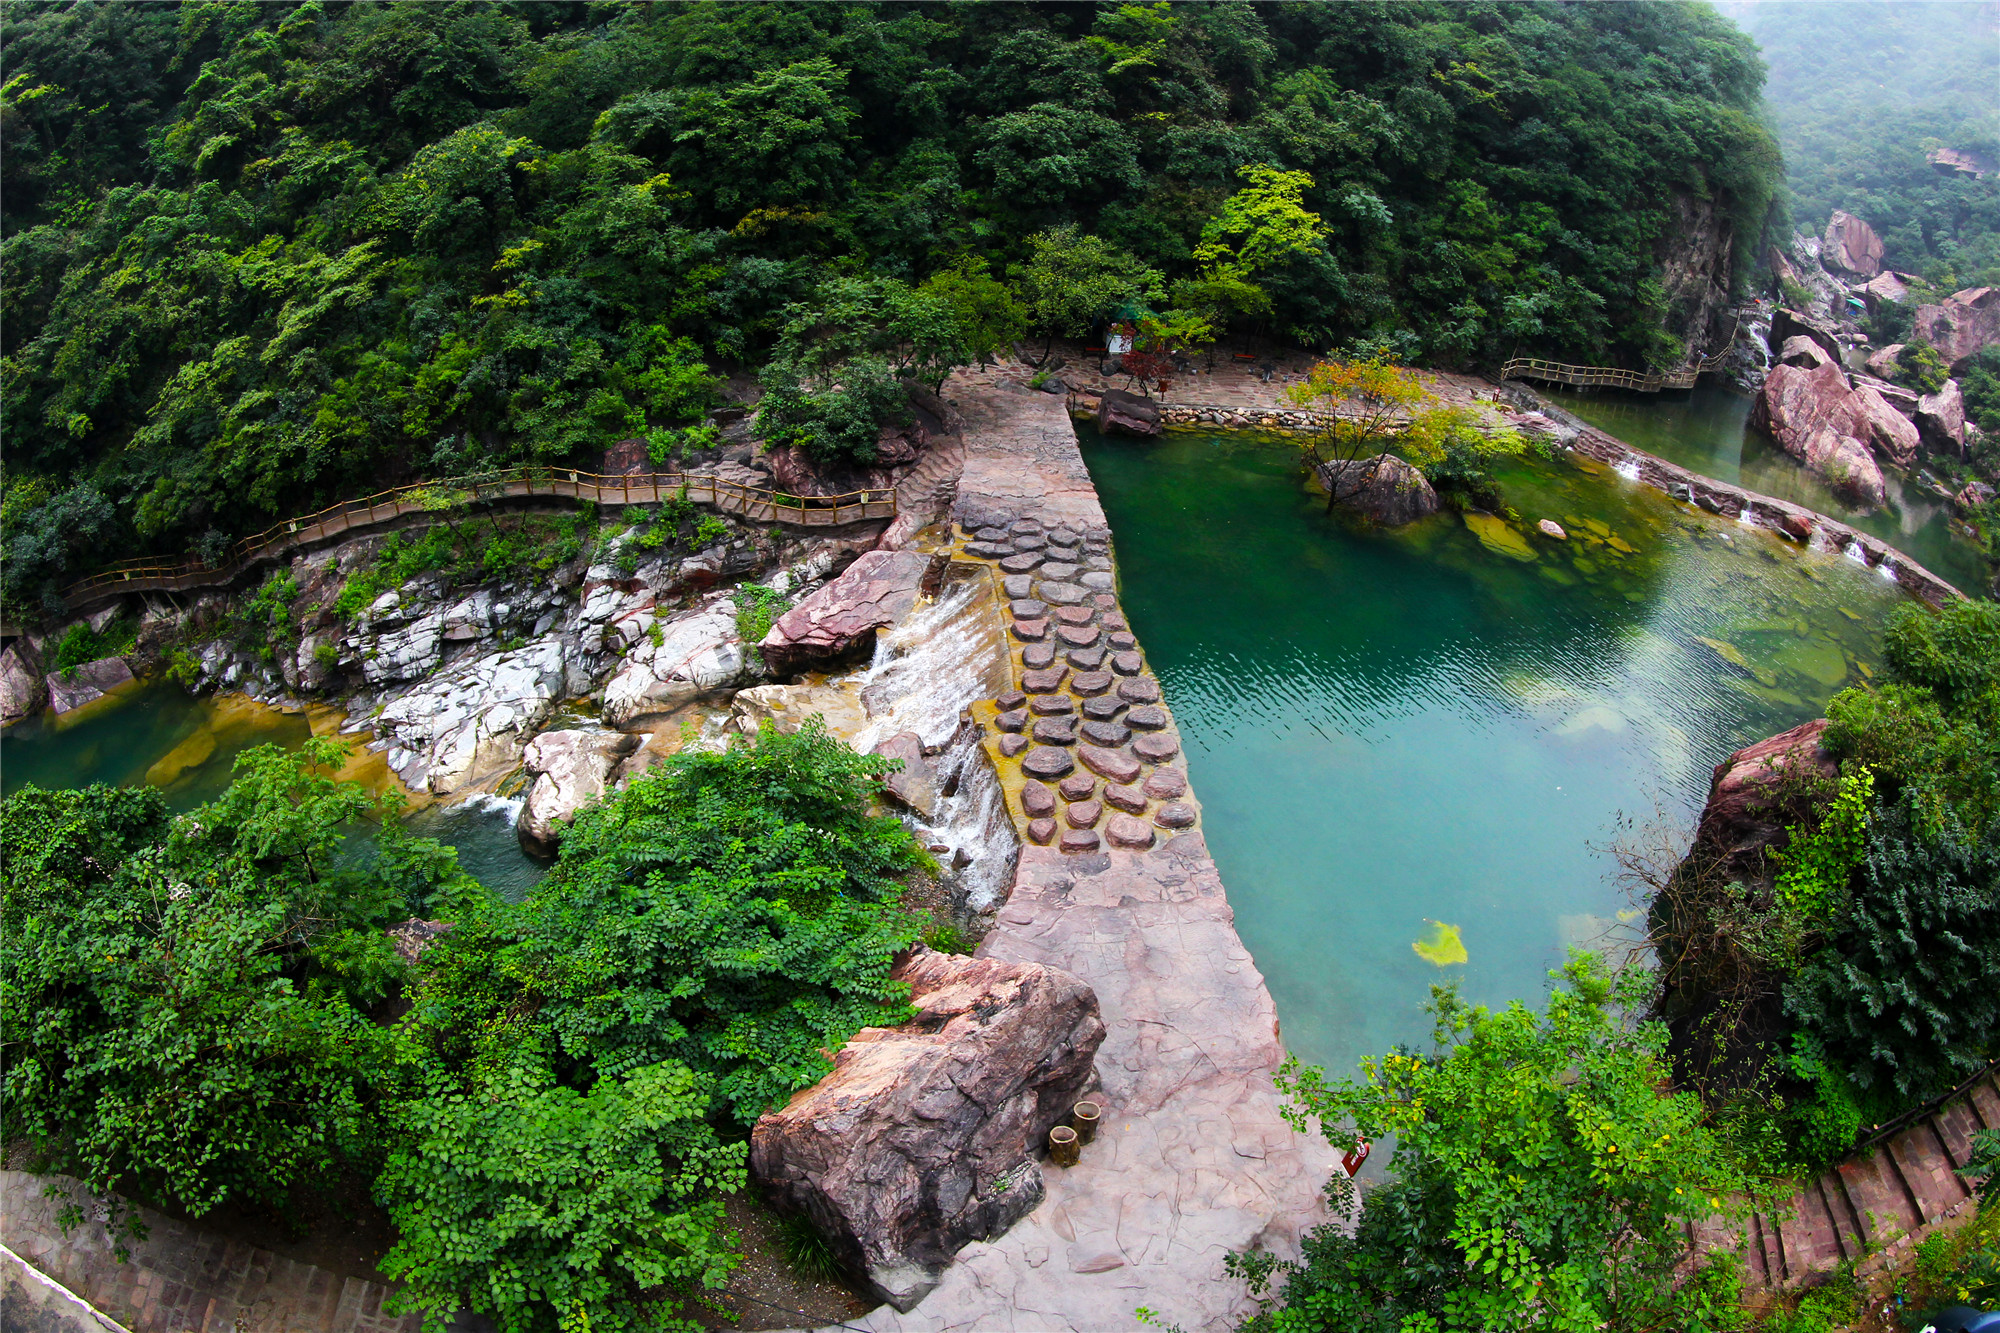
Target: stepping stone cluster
x,y
1098,755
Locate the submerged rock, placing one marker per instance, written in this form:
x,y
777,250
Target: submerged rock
x,y
1383,489
924,1137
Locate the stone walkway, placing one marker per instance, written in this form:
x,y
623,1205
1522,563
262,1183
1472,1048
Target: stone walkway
x,y
1117,887
182,1280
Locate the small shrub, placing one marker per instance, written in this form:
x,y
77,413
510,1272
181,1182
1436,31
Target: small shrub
x,y
757,609
327,655
1919,366
947,938
806,1250
83,644
709,530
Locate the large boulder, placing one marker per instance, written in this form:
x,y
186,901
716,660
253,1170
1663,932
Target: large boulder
x,y
914,785
1789,324
472,719
84,684
21,688
570,769
1961,324
1811,415
1122,413
1874,421
839,621
1852,245
1884,363
670,663
1889,286
1940,419
795,472
925,1136
1383,489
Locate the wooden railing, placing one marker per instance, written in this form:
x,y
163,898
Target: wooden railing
x,y
1608,377
759,506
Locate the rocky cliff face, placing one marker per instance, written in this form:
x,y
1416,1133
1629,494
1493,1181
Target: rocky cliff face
x,y
1694,255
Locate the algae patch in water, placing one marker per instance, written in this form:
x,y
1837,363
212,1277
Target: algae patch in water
x,y
1498,536
1442,946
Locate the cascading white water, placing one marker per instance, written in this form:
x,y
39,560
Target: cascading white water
x,y
925,673
1627,468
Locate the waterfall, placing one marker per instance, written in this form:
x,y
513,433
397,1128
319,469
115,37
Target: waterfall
x,y
925,673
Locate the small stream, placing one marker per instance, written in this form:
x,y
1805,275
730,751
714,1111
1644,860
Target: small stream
x,y
1707,430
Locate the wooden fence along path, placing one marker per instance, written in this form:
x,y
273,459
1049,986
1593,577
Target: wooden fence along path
x,y
759,506
1607,377
1887,1195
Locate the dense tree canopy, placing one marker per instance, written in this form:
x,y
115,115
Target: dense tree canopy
x,y
260,254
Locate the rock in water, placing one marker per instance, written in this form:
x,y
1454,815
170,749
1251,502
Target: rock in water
x,y
1962,324
1878,424
915,785
1852,245
80,685
1811,413
1550,528
1122,413
1738,823
924,1137
570,769
21,689
840,619
1383,489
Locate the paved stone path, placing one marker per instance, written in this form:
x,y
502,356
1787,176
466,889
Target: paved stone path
x,y
1877,1204
1115,885
182,1280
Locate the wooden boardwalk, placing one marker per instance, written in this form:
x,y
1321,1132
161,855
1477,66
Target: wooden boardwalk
x,y
1596,377
758,506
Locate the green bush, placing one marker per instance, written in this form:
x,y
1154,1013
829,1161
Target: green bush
x,y
757,609
81,643
1919,366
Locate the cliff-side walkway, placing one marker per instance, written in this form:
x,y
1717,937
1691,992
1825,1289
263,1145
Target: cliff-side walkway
x,y
1194,1161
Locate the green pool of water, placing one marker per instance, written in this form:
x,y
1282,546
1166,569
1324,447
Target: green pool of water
x,y
155,732
1390,731
1707,430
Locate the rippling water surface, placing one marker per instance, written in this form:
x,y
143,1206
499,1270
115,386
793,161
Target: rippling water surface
x,y
1447,723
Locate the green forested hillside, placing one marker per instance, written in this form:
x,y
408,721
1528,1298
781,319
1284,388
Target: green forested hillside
x,y
1859,92
259,254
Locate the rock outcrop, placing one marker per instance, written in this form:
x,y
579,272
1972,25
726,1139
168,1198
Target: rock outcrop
x,y
84,684
1961,324
787,707
1808,407
1883,363
1693,261
570,769
473,718
914,785
925,1136
1383,489
1940,419
670,663
21,688
1889,286
1789,324
1877,423
840,620
1742,817
1122,413
1851,245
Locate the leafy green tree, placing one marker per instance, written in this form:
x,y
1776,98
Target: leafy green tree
x,y
543,1208
1072,279
1260,226
989,317
1542,1179
186,1000
1454,448
1360,404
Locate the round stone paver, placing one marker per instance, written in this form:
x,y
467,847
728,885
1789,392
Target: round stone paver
x,y
1038,655
1046,761
1125,831
1177,815
1014,719
1156,748
1037,799
1113,764
1103,709
1060,569
1046,681
1083,814
1057,731
1122,642
1129,799
1114,621
1080,840
1085,659
1027,608
1090,683
1029,541
1062,594
1077,636
1147,717
1105,733
1019,563
1095,578
1010,699
1075,615
1139,691
1127,664
992,534
1042,831
1166,784
1031,630
1017,585
1011,745
1078,787
1051,705
986,550
1063,537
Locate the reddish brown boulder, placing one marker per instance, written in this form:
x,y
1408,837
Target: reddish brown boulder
x,y
1789,324
1882,364
1122,413
1742,817
840,619
1812,415
914,785
795,472
925,1136
1875,422
1940,419
1962,324
1852,245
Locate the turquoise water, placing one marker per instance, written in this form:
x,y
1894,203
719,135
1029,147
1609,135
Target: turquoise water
x,y
1708,431
1393,730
